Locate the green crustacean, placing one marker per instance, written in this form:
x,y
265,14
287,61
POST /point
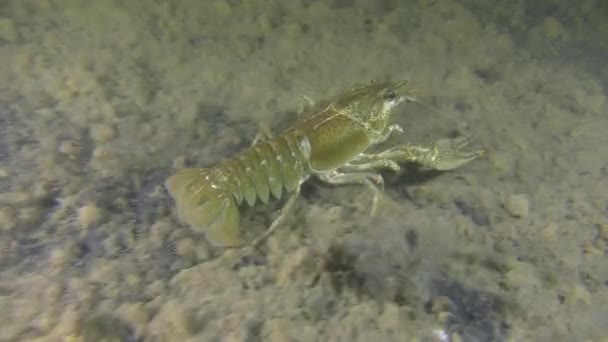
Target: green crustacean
x,y
329,144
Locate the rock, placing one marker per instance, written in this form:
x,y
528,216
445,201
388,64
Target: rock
x,y
89,215
517,205
101,132
185,248
8,31
8,218
135,314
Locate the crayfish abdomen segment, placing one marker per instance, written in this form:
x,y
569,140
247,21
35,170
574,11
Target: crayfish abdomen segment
x,y
267,168
208,199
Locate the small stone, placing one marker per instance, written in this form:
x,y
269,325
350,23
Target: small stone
x,y
603,231
185,247
276,330
89,215
101,132
590,249
293,262
132,280
517,205
29,215
501,162
455,337
16,198
135,314
503,246
159,231
390,319
8,218
175,320
223,8
67,324
4,173
8,31
53,292
102,154
553,29
60,256
581,294
179,163
103,272
156,288
486,199
70,148
41,191
202,252
111,245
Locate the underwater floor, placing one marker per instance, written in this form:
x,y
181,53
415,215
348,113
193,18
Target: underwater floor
x,y
101,101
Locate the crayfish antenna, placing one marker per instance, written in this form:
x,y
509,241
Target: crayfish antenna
x,y
415,100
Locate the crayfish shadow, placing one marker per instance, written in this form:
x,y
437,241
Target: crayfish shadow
x,y
411,174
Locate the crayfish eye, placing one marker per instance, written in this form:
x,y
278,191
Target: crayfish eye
x,y
391,95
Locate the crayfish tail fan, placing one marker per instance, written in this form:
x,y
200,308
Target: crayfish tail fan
x,y
201,204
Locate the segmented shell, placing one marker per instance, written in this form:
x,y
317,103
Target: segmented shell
x,y
266,168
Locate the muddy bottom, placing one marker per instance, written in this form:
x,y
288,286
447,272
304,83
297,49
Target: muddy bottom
x,y
101,102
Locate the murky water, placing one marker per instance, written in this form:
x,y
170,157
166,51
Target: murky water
x,y
101,101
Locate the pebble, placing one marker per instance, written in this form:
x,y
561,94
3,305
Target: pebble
x,y
292,263
156,288
88,215
16,198
8,31
580,294
69,148
185,248
553,29
159,231
603,231
59,257
101,132
29,215
174,321
135,314
517,205
276,330
390,319
8,218
53,292
102,153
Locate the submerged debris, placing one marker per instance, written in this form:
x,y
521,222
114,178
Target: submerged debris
x,y
382,266
389,265
474,315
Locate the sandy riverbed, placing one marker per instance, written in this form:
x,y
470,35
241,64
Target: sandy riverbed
x,y
100,101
